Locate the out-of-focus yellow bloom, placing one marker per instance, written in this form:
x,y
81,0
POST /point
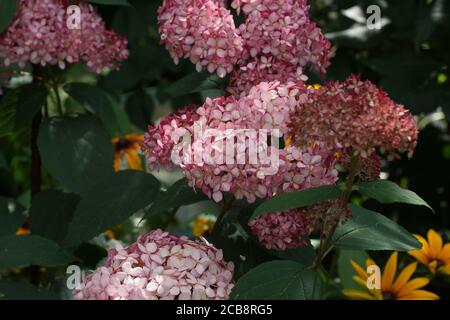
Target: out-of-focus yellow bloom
x,y
23,232
315,86
434,254
401,288
202,225
128,147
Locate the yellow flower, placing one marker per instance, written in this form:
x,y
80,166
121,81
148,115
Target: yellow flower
x,y
23,232
433,253
202,225
128,146
402,288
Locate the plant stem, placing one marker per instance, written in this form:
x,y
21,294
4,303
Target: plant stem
x,y
58,98
36,164
325,244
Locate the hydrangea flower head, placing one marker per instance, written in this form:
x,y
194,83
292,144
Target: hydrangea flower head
x,y
160,266
39,34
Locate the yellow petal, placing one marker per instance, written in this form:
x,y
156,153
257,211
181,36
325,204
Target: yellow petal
x,y
117,161
360,271
134,162
370,262
360,281
420,295
425,247
419,255
444,255
356,294
133,137
389,272
412,285
445,270
435,242
404,277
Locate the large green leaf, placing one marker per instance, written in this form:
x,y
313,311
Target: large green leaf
x,y
8,105
304,255
139,107
8,9
22,251
369,230
386,191
76,151
98,102
195,82
179,194
299,199
278,280
11,216
51,212
109,203
32,98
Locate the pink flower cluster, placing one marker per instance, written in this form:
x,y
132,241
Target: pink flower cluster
x,y
39,34
283,230
202,31
356,115
266,107
160,266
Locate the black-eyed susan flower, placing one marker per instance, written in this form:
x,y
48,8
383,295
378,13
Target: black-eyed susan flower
x,y
23,232
128,147
202,224
391,288
434,254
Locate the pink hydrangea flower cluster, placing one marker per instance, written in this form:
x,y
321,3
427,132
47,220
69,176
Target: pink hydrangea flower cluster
x,y
356,115
202,31
283,230
266,107
160,266
160,140
39,34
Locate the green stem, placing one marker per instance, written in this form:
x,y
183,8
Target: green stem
x,y
325,246
58,98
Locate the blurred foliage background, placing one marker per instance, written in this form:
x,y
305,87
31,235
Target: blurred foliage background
x,y
408,57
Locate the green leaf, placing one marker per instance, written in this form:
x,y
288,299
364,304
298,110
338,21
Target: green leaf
x,y
369,230
11,216
32,98
109,203
112,2
98,102
51,212
386,191
278,280
76,151
304,255
23,251
8,113
193,83
178,195
292,200
20,290
8,9
345,270
140,107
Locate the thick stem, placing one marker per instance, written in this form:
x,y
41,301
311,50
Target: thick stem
x,y
36,164
325,244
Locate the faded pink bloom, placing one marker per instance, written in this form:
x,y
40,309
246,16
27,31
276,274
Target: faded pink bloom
x,y
284,230
160,266
202,31
355,115
39,35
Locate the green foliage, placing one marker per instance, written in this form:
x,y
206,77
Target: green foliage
x,y
368,230
8,8
279,280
